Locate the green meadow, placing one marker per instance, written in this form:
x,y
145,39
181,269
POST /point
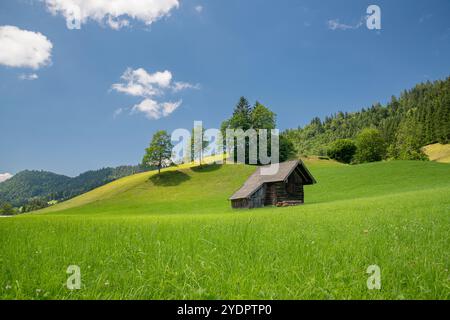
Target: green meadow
x,y
175,236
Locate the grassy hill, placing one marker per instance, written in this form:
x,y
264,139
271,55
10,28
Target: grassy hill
x,y
438,152
175,236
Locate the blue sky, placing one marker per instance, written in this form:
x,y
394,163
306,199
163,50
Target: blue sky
x,y
285,54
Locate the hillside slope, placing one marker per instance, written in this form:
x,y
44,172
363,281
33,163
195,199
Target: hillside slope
x,y
189,189
176,237
177,189
438,152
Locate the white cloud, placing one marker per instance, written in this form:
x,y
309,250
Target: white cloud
x,y
179,86
30,76
117,24
155,110
150,86
115,13
24,49
140,83
161,79
334,24
169,107
5,176
199,9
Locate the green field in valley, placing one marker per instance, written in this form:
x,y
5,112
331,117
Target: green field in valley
x,y
176,237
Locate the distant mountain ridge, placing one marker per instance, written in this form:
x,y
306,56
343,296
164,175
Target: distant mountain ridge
x,y
30,184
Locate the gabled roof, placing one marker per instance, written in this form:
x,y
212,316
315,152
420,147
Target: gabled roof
x,y
256,180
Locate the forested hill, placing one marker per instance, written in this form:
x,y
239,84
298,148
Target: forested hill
x,y
47,186
416,118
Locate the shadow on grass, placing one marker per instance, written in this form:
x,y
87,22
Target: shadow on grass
x,y
169,179
206,168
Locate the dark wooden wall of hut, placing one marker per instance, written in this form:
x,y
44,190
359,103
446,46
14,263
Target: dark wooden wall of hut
x,y
239,203
255,201
290,190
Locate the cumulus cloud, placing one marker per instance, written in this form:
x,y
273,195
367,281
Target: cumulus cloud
x,y
199,9
140,83
152,87
114,13
156,110
30,76
334,24
24,49
5,176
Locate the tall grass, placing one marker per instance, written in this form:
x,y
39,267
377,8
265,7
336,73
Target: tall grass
x,y
177,239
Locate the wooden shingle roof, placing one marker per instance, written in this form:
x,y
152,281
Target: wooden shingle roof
x,y
256,180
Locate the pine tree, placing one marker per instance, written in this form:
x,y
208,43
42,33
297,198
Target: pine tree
x,y
241,118
408,144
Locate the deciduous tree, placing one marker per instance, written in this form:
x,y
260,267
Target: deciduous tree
x,y
159,152
342,150
370,146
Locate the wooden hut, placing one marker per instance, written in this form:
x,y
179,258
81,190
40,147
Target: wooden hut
x,y
284,188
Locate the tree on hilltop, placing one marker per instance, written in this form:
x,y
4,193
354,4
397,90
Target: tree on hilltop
x,y
159,153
